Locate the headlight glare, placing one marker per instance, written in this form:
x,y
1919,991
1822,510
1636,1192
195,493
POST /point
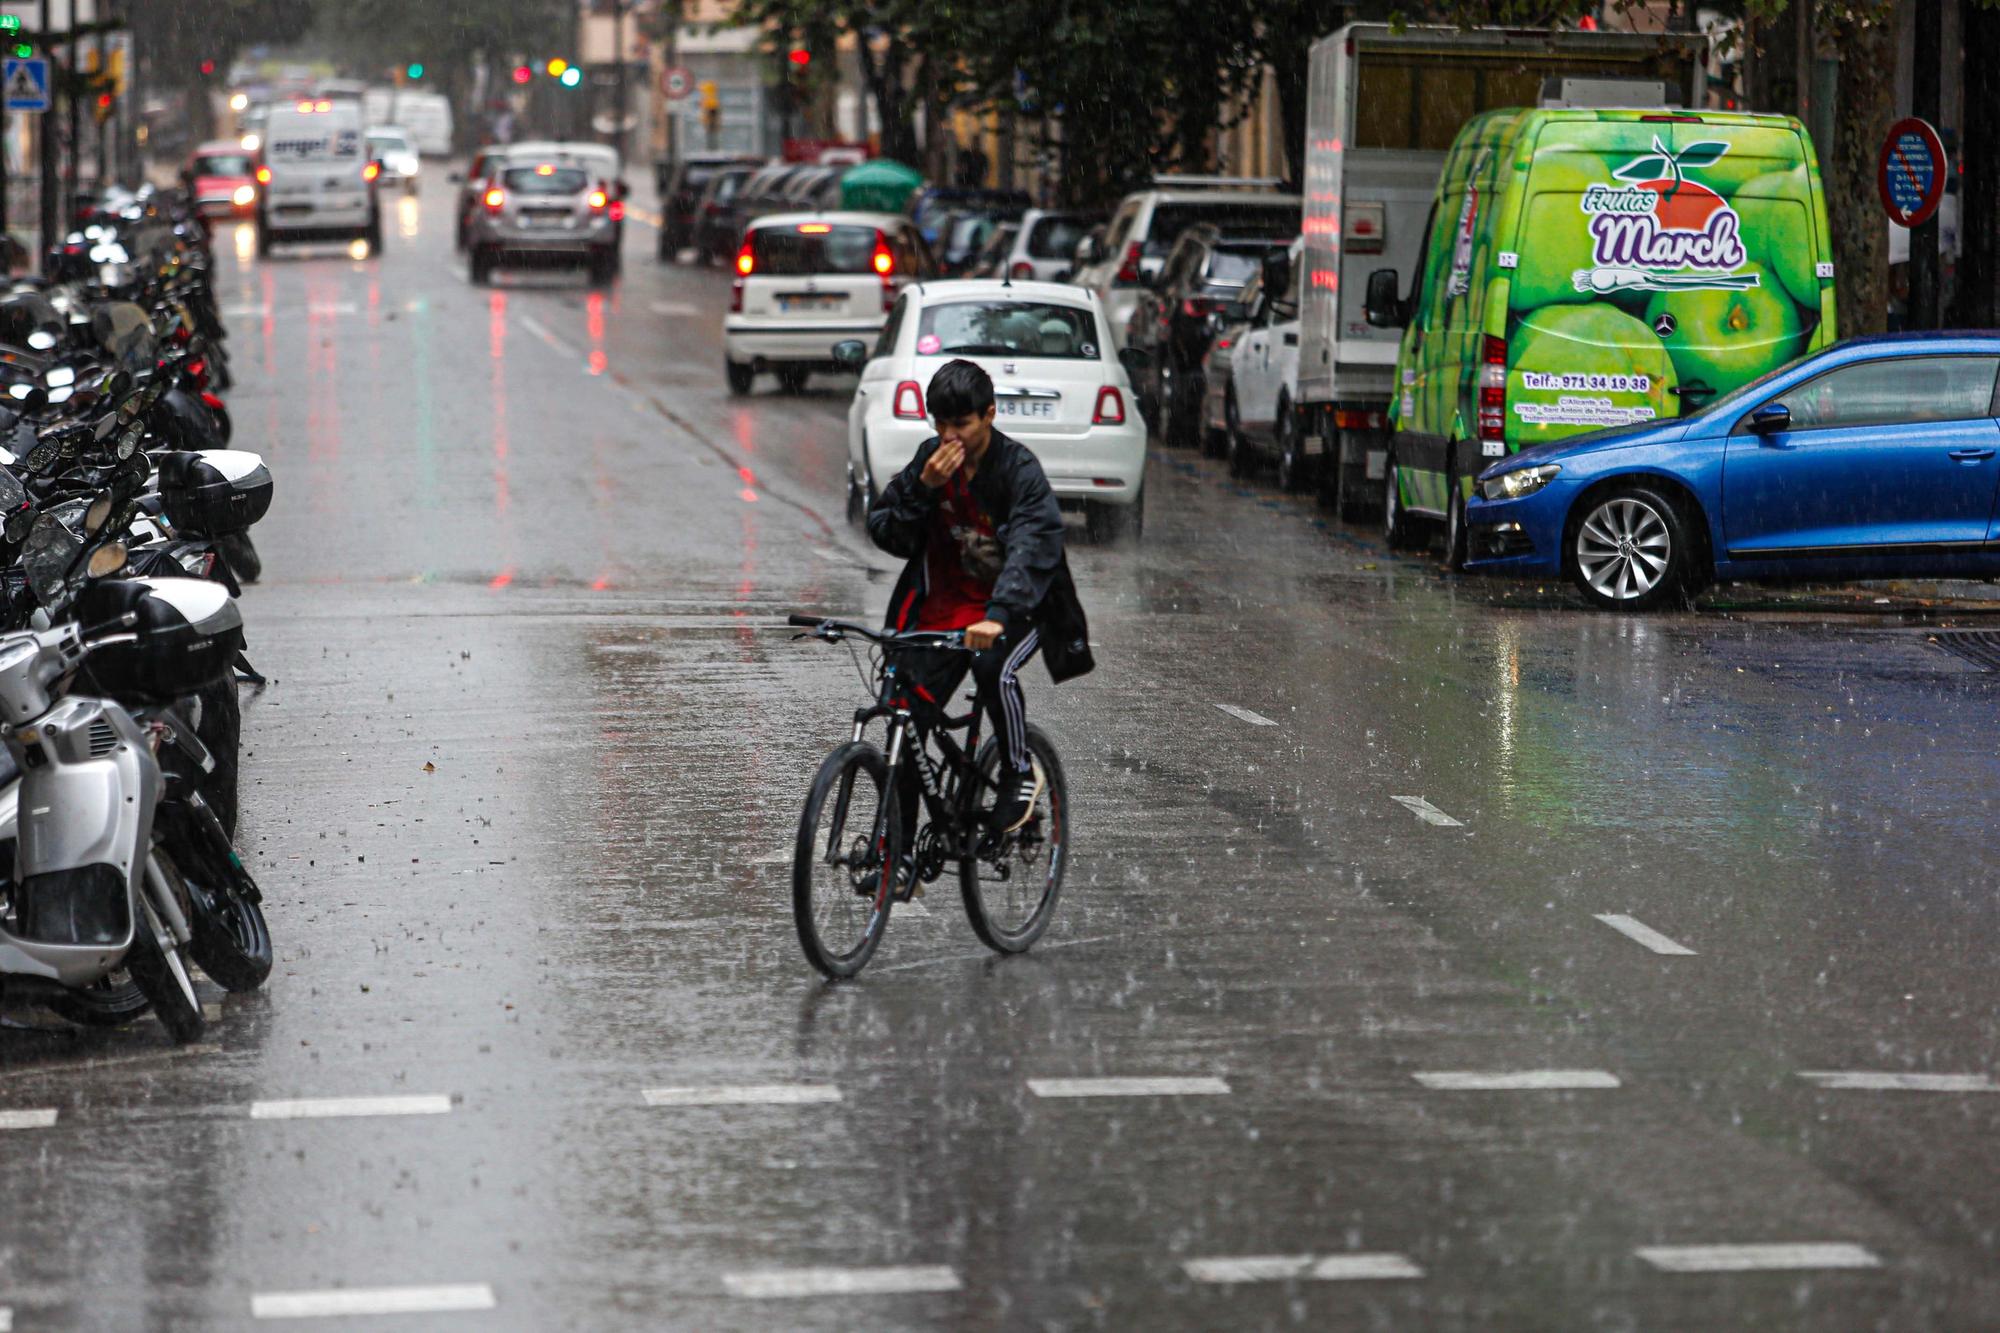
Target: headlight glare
x,y
1521,481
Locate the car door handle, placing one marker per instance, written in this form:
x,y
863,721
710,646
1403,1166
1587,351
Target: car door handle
x,y
1970,455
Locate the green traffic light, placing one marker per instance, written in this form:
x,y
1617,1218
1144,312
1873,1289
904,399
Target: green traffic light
x,y
572,77
10,23
24,51
416,70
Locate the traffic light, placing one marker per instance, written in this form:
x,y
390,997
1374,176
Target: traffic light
x,y
711,108
102,108
10,23
416,70
800,58
208,67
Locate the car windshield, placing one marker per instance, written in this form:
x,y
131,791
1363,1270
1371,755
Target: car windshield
x,y
813,247
222,164
1279,222
388,143
1055,238
544,179
1007,328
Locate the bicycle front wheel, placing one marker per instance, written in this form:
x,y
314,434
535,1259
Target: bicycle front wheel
x,y
844,862
1010,896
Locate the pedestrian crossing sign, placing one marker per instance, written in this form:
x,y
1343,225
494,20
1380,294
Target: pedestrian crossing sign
x,y
27,84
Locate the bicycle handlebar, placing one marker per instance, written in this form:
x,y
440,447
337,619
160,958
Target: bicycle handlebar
x,y
833,630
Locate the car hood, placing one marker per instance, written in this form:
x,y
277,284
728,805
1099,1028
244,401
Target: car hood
x,y
1597,441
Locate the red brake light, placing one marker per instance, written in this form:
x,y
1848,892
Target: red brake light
x,y
746,262
371,171
909,401
598,199
1128,270
1493,388
1110,407
495,197
885,259
1022,270
263,175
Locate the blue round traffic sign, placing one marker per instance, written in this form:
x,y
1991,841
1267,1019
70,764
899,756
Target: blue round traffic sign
x,y
1911,173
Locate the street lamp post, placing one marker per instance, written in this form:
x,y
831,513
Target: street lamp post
x,y
618,59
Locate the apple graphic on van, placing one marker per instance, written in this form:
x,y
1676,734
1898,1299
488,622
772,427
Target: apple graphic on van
x,y
1661,230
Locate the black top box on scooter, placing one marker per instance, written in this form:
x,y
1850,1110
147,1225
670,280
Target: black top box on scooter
x,y
189,633
214,491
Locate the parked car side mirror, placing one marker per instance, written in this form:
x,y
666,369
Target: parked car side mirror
x,y
1384,304
1770,419
850,354
1277,271
1136,360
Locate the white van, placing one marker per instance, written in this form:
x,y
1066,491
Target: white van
x,y
317,180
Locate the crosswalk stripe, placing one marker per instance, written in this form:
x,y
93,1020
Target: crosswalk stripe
x,y
353,1301
1866,1081
1751,1258
1127,1087
1516,1080
1302,1268
748,1094
795,1282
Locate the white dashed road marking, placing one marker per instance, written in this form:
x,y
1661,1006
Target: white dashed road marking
x,y
1127,1087
1302,1268
321,1108
1427,812
748,1094
370,1301
1749,1258
1864,1081
1245,715
675,309
6,1320
1639,931
1517,1080
37,1119
792,1282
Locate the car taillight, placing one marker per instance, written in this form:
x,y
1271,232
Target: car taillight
x,y
599,199
1128,270
1110,407
885,259
746,262
1493,389
263,175
371,171
1022,269
909,401
495,197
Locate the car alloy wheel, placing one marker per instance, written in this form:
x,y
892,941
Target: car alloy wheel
x,y
1624,549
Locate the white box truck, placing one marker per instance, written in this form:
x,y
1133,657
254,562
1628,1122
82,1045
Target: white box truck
x,y
1382,110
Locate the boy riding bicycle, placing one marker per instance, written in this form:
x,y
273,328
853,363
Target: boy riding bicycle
x,y
975,518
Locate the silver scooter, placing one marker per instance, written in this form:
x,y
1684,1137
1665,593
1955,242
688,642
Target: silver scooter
x,y
91,895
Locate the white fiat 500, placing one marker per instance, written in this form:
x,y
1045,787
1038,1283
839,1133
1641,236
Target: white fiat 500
x,y
1058,387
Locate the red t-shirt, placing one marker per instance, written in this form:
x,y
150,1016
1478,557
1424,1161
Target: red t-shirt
x,y
962,560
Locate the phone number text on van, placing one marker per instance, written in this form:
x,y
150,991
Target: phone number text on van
x,y
1586,383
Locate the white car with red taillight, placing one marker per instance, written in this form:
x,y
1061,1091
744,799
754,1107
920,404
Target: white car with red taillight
x,y
1058,387
805,281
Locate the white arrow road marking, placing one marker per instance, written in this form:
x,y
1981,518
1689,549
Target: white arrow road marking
x,y
1516,1080
1864,1081
327,1108
1127,1087
747,1094
1245,715
1634,929
1302,1267
1748,1258
370,1301
37,1119
1427,812
793,1282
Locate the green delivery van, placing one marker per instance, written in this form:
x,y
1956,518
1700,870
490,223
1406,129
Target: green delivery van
x,y
1585,269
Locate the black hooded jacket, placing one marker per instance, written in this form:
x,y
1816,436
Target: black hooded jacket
x,y
1033,587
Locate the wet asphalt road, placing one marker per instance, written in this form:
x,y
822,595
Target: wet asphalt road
x,y
523,786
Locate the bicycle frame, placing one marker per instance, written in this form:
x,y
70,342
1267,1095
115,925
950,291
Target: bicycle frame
x,y
957,766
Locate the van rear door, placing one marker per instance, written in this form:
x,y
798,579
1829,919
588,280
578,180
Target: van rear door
x,y
1661,260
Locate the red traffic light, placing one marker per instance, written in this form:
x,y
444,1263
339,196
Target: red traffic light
x,y
522,73
800,56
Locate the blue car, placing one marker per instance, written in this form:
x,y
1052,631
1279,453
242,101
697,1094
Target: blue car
x,y
1877,458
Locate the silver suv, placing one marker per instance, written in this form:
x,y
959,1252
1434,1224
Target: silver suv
x,y
551,208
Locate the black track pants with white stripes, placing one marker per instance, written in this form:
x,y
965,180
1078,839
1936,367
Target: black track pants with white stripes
x,y
996,671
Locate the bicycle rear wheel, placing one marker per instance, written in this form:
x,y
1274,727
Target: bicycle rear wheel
x,y
843,864
1010,897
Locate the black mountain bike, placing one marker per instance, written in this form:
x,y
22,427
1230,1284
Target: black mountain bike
x,y
854,859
